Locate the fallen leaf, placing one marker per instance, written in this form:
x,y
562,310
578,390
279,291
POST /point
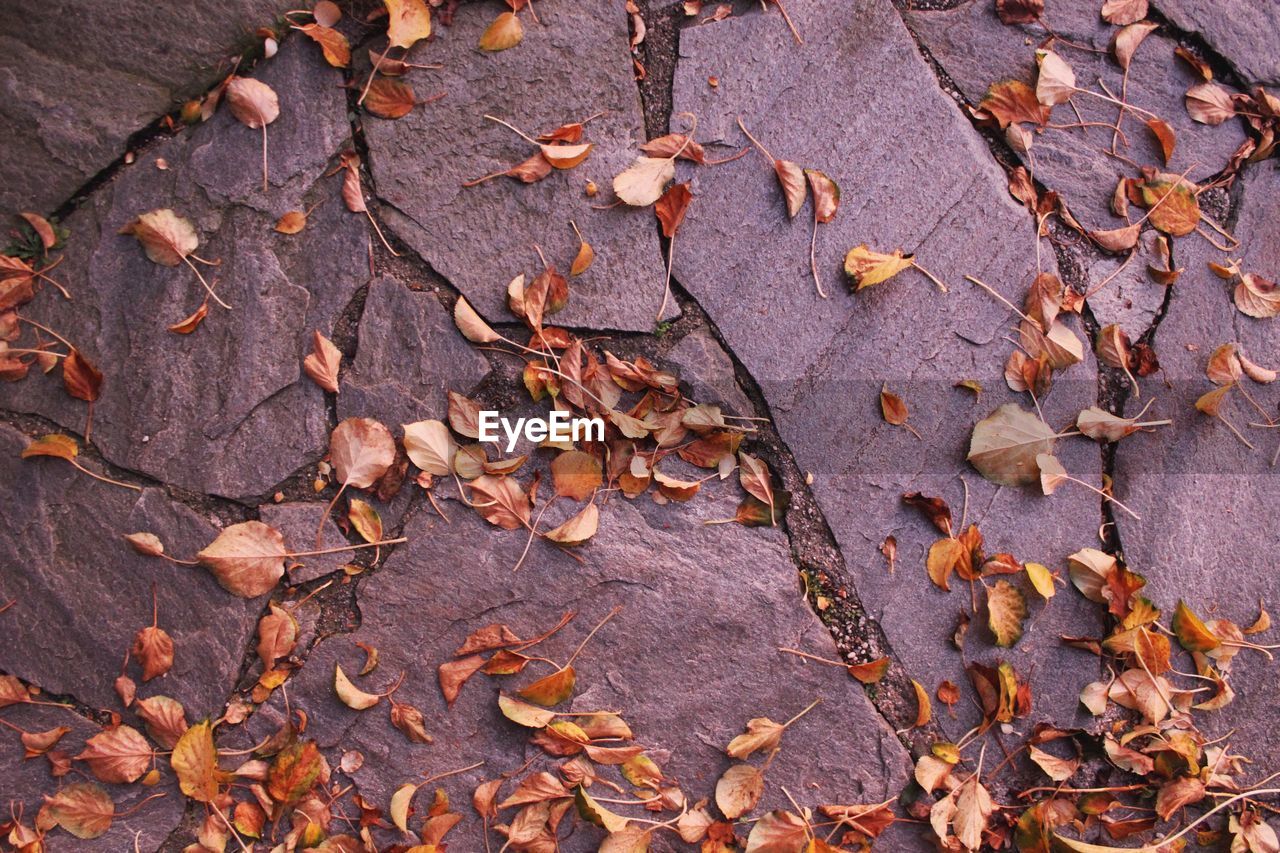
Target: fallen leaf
x,y
550,689
506,31
1254,296
1209,103
366,520
192,321
576,475
1019,11
1164,135
1013,102
166,238
473,328
255,105
82,808
1005,444
246,558
118,755
866,267
500,501
780,832
361,450
924,708
390,99
195,761
578,528
407,22
165,719
1056,82
350,695
322,363
738,790
1193,635
277,636
453,674
871,672
671,208
1006,611
333,44
430,446
642,182
1126,42
153,648
1121,12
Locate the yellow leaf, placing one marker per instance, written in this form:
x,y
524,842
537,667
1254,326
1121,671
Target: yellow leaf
x,y
866,267
1041,579
505,31
353,697
407,22
551,689
195,761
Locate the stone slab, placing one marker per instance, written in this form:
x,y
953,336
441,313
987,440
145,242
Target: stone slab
x,y
409,354
227,409
1241,32
82,592
820,363
1207,502
76,84
691,656
575,65
976,50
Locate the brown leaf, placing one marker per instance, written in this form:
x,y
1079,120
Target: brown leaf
x,y
791,179
1012,102
934,509
1006,611
671,208
277,636
1056,82
1118,239
551,689
506,31
361,450
871,672
473,328
294,773
246,558
500,501
391,99
973,809
119,755
350,695
165,719
924,708
1121,12
55,444
322,363
42,228
166,237
409,720
892,407
576,475
82,808
1254,296
407,22
333,44
153,647
762,734
1019,11
642,182
780,832
578,528
1173,206
1164,135
36,744
453,674
192,321
757,481
81,378
1005,444
1209,103
669,145
252,102
826,195
738,790
1126,42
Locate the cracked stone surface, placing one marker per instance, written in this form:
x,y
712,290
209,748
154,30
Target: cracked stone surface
x,y
421,161
725,668
83,593
1212,543
976,50
820,363
1242,32
76,84
409,355
298,521
24,781
182,408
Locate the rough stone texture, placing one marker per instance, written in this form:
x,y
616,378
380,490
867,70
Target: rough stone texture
x,y
691,656
1124,293
24,782
976,50
226,409
1243,33
1206,500
409,354
479,238
709,371
820,363
83,593
78,81
297,521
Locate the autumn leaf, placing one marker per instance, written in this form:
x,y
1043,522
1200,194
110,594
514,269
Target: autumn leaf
x,y
277,636
255,105
453,674
1172,204
117,755
578,528
390,99
1006,611
473,328
500,501
871,672
366,520
866,267
1193,635
294,773
1254,296
195,761
576,475
83,809
1209,103
153,647
246,558
641,183
550,689
361,450
1126,43
350,695
738,790
166,238
322,363
924,708
430,446
407,22
165,719
671,208
1121,12
1005,444
1041,579
333,44
779,832
1056,82
506,31
973,808
1019,11
1013,102
585,257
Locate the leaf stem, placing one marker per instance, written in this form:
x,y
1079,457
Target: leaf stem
x,y
105,479
612,613
208,289
756,142
340,549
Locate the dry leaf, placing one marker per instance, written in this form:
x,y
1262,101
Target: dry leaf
x,y
1056,82
1019,11
738,790
1164,135
780,832
430,446
165,719
505,31
576,475
791,179
255,105
277,636
1209,103
1012,102
166,237
973,809
1121,12
82,808
671,208
866,267
195,761
192,321
407,22
333,44
119,755
390,99
469,323
153,647
361,450
350,695
500,501
1254,296
1006,611
1005,444
642,182
322,363
550,689
246,558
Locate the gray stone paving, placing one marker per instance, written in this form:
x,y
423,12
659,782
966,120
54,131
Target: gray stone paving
x,y
222,425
